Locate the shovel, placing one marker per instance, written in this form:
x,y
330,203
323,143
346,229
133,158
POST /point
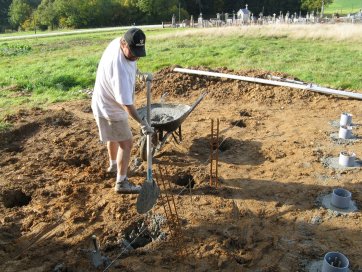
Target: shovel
x,y
149,192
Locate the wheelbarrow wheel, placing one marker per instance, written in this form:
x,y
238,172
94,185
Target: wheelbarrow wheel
x,y
143,146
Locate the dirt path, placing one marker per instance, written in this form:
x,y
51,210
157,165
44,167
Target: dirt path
x,y
55,193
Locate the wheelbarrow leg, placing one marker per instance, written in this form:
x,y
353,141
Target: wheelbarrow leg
x,y
162,141
179,134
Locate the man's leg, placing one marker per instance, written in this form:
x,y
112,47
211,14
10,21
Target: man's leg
x,y
124,156
112,148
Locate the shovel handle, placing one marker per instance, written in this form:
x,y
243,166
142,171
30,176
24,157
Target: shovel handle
x,y
148,85
94,240
149,139
149,158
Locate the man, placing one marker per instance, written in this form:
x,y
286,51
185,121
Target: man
x,y
113,101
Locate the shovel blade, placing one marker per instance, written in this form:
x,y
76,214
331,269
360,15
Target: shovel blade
x,y
96,258
147,197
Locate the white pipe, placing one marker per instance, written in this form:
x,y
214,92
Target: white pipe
x,y
309,87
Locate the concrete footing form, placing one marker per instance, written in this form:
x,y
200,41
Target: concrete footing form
x,y
336,124
326,202
333,162
316,266
335,138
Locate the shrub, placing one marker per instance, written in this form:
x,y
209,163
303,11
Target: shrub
x,y
14,49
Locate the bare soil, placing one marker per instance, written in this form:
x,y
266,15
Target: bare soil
x,y
265,215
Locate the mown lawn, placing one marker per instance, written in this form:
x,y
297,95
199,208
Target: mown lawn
x,y
344,7
35,72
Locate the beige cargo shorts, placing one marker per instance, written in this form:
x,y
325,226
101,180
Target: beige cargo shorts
x,y
114,131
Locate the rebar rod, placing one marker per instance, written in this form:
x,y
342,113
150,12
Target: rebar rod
x,y
217,154
163,200
173,200
211,149
214,153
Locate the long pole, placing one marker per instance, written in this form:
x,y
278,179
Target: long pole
x,y
308,87
34,18
322,9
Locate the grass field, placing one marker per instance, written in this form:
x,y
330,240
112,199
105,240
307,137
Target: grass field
x,y
344,7
35,72
21,33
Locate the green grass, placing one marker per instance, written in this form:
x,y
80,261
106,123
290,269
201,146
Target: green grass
x,y
312,62
32,32
36,72
21,33
4,126
344,7
38,31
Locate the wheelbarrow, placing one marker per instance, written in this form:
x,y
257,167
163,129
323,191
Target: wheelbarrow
x,y
166,119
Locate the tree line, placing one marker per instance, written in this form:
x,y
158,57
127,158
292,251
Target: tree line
x,y
53,14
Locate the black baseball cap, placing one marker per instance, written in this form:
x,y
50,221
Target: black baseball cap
x,y
136,40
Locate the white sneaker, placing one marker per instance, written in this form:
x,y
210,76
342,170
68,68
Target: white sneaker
x,y
112,169
126,187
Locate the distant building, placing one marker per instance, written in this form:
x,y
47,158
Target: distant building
x,y
244,15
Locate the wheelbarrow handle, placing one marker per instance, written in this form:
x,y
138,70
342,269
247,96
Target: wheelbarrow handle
x,y
193,106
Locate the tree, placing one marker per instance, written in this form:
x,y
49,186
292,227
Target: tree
x,y
47,14
127,12
315,4
19,11
158,10
73,13
4,10
34,3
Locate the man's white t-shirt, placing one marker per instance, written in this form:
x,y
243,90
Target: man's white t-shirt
x,y
115,84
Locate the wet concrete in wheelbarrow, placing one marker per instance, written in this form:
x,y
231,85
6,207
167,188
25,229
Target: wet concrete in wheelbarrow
x,y
264,216
164,113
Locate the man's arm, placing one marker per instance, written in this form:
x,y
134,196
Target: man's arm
x,y
131,110
145,127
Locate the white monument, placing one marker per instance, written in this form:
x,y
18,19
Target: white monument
x,y
244,15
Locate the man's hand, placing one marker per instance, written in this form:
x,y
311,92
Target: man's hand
x,y
146,128
147,76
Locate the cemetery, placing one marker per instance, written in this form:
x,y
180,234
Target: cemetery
x,y
245,17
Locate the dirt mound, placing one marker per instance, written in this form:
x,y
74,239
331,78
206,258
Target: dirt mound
x,y
174,84
265,216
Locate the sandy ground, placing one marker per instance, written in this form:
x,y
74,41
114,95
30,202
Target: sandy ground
x,y
265,216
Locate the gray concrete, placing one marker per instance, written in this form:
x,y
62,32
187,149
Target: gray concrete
x,y
326,203
316,220
339,141
316,266
164,113
336,124
333,162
